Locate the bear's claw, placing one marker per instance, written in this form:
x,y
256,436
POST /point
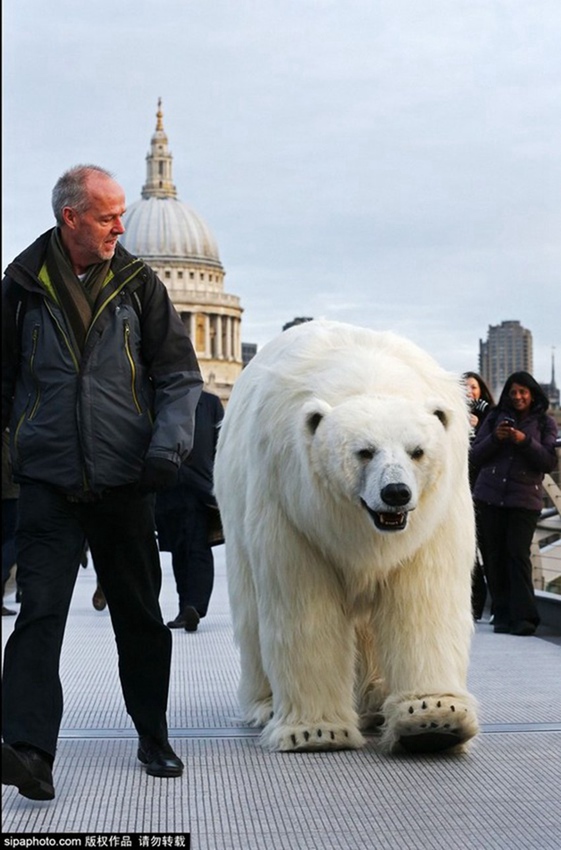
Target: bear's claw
x,y
430,724
298,739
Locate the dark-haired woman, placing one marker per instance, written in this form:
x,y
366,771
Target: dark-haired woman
x,y
513,450
480,400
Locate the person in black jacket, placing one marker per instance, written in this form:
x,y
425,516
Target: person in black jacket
x,y
512,451
184,514
480,402
100,384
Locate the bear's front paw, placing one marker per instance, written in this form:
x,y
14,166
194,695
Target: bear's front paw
x,y
307,738
429,724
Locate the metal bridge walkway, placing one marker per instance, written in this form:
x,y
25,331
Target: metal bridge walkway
x,y
504,795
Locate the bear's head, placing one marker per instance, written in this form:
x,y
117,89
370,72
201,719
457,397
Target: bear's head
x,y
383,454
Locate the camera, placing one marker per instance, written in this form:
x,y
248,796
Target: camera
x,y
478,405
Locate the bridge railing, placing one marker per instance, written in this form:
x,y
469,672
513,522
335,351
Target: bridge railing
x,y
546,545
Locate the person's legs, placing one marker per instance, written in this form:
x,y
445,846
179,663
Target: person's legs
x,y
478,590
49,544
522,602
199,558
9,515
121,532
178,546
492,530
192,559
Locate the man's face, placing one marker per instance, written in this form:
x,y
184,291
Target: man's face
x,y
91,236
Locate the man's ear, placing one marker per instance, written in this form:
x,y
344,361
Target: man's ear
x,y
69,216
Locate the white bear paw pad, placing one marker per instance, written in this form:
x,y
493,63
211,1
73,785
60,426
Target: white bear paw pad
x,y
433,724
308,739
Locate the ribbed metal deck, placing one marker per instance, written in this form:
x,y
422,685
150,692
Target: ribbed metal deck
x,y
504,795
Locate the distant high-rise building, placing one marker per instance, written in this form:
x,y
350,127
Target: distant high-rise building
x,y
249,350
551,389
508,349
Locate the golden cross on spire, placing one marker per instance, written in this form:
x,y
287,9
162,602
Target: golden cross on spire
x,y
159,116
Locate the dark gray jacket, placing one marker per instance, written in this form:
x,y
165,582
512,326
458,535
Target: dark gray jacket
x,y
85,423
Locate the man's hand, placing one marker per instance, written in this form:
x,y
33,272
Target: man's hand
x,y
157,475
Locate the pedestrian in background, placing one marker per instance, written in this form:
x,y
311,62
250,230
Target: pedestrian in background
x,y
480,400
184,515
101,383
512,451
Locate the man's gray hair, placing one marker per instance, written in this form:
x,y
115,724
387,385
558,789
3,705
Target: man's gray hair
x,y
70,189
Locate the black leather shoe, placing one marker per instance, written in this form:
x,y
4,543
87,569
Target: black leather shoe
x,y
192,619
159,758
25,768
178,623
501,629
99,601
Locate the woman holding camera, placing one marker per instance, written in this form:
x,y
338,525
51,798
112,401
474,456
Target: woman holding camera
x,y
480,404
512,451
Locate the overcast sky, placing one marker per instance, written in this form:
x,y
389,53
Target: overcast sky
x,y
391,163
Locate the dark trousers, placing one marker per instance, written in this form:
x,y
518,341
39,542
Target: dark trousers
x,y
506,538
478,580
50,541
9,516
186,532
478,590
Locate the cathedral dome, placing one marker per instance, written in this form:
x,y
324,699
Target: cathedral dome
x,y
161,228
166,229
179,246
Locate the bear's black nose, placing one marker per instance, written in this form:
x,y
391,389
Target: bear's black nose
x,y
396,494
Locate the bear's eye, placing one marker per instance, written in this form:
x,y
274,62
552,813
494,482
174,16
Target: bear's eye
x,y
366,454
417,453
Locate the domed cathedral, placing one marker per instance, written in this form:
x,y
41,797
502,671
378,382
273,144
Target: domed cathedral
x,y
176,242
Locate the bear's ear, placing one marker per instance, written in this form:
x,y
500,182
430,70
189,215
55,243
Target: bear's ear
x,y
314,411
441,415
438,409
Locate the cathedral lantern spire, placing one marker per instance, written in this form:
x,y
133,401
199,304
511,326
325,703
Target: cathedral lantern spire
x,y
159,183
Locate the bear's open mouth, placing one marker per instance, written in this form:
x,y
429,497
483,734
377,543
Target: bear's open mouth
x,y
387,520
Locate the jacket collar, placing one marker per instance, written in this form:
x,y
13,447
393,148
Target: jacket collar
x,y
24,270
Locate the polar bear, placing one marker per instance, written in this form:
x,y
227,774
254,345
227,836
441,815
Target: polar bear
x,y
341,477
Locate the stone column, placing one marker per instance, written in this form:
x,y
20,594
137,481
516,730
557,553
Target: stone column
x,y
219,351
207,335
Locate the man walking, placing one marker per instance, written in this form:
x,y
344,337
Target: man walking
x,y
100,385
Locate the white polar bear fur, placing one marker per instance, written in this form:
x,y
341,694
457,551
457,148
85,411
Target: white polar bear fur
x,y
337,621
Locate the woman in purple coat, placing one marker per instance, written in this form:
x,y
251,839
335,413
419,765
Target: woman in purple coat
x,y
513,449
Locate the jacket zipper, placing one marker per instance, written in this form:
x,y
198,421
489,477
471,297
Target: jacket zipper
x,y
33,411
109,299
34,337
64,336
132,364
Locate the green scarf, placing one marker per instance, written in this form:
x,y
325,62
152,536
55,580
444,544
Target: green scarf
x,y
77,298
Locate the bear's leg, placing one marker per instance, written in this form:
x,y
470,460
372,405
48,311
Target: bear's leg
x,y
424,626
370,688
307,641
254,690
